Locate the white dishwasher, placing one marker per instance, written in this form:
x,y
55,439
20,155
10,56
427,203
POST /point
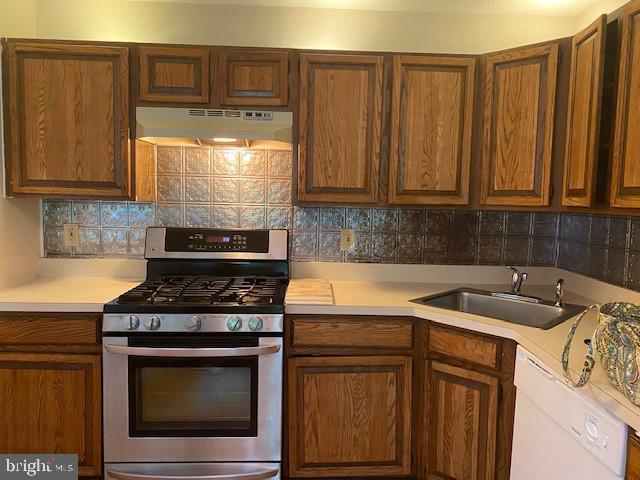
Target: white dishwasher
x,y
559,433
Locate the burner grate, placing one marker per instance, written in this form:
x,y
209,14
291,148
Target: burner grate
x,y
204,290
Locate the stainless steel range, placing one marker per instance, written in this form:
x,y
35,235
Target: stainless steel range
x,y
192,359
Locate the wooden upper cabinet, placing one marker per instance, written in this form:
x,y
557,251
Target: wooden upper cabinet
x,y
253,77
349,416
67,119
174,74
583,115
431,127
52,404
462,419
340,125
520,92
625,174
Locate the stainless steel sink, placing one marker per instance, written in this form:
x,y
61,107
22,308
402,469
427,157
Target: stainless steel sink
x,y
522,310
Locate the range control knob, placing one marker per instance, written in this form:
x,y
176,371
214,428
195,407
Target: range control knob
x,y
255,324
193,323
152,323
234,323
132,322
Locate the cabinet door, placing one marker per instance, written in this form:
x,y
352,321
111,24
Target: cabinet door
x,y
625,175
174,74
520,94
431,130
67,119
462,424
340,123
251,77
51,404
633,457
349,416
583,115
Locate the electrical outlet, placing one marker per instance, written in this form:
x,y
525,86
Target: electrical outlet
x,y
347,240
71,235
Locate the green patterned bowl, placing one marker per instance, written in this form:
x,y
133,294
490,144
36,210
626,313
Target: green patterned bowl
x,y
617,342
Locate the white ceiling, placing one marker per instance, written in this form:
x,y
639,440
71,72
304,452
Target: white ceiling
x,y
491,7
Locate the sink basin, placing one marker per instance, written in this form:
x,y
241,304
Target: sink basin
x,y
523,311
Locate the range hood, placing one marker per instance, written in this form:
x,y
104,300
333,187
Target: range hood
x,y
205,123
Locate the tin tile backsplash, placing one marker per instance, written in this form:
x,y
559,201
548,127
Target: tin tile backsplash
x,y
242,188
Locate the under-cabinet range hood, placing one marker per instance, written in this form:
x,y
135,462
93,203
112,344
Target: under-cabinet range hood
x,y
208,124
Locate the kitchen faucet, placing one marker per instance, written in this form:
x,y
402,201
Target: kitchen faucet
x,y
517,277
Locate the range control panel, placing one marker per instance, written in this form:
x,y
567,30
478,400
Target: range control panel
x,y
209,240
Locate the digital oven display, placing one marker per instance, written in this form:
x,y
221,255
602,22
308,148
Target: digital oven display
x,y
218,239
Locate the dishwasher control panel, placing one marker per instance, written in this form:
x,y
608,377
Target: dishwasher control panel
x,y
598,431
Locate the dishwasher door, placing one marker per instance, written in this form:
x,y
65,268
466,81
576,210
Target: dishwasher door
x,y
559,433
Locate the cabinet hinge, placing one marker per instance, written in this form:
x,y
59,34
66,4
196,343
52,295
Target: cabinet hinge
x,y
551,191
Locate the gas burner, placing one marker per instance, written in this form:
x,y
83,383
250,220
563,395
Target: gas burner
x,y
206,290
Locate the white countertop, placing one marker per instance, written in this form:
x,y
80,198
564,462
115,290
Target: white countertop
x,y
64,294
378,296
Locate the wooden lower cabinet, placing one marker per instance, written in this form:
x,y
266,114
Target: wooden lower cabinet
x,y
436,403
350,416
51,404
469,404
50,386
633,457
462,423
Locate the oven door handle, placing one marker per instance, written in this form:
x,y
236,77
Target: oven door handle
x,y
191,352
257,475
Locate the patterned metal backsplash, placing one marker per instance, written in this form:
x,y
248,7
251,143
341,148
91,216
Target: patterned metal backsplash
x,y
231,188
211,187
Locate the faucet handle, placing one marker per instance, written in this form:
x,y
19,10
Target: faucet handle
x,y
559,292
517,277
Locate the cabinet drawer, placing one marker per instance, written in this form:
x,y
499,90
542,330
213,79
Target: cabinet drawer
x,y
472,348
48,329
352,332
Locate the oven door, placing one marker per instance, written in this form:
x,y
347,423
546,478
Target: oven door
x,y
192,398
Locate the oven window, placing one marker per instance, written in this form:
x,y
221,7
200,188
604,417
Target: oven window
x,y
186,397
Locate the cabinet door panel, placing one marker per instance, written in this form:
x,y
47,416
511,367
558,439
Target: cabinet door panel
x,y
462,420
68,119
518,126
340,122
583,121
625,181
431,129
633,457
349,416
254,78
174,74
51,404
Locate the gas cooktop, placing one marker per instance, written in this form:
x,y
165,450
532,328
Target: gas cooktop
x,y
203,293
210,272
